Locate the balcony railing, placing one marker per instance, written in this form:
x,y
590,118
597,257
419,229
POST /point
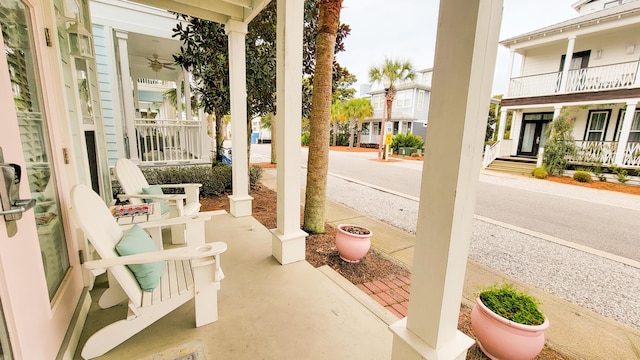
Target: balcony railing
x,y
604,152
162,140
597,78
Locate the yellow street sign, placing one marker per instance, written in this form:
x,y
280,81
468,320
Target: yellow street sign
x,y
388,139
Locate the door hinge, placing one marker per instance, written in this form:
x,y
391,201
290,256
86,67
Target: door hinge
x,y
65,155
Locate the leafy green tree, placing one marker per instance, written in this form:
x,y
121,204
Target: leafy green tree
x,y
393,71
560,144
318,164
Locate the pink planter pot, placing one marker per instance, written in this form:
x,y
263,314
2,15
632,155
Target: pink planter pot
x,y
352,247
501,339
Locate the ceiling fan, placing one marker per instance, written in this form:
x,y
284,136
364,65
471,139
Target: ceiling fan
x,y
156,65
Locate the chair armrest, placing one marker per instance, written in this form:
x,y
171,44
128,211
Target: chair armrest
x,y
192,191
173,186
166,197
168,222
183,253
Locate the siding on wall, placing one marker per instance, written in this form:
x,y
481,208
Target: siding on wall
x,y
106,96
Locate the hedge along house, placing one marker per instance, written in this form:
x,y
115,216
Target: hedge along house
x,y
43,292
410,108
587,66
134,41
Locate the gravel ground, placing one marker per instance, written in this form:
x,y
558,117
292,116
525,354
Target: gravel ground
x,y
604,286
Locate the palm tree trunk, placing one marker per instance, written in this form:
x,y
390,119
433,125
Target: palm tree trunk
x,y
335,133
359,134
219,135
352,130
318,165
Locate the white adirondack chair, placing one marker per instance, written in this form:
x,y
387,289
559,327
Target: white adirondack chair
x,y
132,181
191,272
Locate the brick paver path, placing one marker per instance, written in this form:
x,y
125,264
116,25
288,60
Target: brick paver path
x,y
392,293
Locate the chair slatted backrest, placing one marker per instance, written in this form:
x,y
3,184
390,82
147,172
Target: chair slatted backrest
x,y
130,178
100,227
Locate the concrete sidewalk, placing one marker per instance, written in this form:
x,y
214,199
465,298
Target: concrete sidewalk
x,y
574,331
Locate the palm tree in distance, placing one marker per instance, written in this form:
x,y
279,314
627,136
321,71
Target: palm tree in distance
x,y
357,110
390,73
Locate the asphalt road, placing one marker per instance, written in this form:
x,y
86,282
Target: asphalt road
x,y
610,228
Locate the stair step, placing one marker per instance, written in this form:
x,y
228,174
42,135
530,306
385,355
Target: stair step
x,y
520,166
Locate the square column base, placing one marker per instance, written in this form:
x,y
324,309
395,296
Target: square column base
x,y
240,206
288,248
408,346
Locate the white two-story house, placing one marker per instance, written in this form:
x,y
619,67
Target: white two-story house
x,y
587,67
409,113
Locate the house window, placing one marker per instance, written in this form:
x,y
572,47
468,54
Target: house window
x,y
420,100
376,128
376,102
596,126
365,128
634,134
403,99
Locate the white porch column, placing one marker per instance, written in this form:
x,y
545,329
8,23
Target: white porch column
x,y
187,94
465,58
503,124
288,240
512,58
567,64
625,130
179,97
240,201
127,95
556,111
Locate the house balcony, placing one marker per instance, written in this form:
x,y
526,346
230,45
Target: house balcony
x,y
170,141
590,79
145,84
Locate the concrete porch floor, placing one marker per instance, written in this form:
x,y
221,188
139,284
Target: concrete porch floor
x,y
266,310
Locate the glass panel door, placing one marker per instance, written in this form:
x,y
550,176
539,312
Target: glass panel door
x,y
528,137
40,173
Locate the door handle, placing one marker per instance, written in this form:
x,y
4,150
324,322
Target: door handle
x,y
19,206
538,140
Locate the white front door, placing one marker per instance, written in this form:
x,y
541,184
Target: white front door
x,y
40,277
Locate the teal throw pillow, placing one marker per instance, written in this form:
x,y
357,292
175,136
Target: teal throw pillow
x,y
137,241
156,190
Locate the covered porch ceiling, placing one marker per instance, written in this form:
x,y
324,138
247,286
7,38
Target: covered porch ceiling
x,y
219,11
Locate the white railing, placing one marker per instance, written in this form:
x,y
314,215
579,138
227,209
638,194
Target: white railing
x,y
535,85
152,82
491,152
603,152
161,140
597,78
632,154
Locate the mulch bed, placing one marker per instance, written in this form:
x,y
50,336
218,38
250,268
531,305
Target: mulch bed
x,y
600,185
321,250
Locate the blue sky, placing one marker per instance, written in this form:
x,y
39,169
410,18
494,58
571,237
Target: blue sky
x,y
407,29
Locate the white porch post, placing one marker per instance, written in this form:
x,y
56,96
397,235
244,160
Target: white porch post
x,y
127,95
453,151
288,241
240,201
179,97
625,130
503,124
556,111
567,64
512,58
187,94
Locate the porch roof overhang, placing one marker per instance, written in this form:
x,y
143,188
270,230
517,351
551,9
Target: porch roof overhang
x,y
612,96
219,11
589,23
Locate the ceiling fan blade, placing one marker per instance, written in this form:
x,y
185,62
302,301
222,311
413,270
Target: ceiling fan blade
x,y
168,67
